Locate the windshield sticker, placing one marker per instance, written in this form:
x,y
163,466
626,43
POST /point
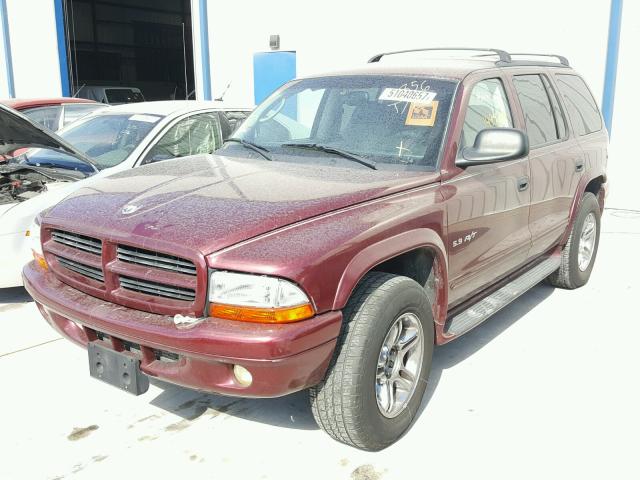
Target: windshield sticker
x,y
420,115
407,95
144,118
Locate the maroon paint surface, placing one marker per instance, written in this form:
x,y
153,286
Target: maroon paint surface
x,y
22,104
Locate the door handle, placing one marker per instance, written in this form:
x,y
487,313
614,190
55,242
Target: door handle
x,y
579,165
523,184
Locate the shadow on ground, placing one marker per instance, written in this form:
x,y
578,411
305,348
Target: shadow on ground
x,y
293,411
14,295
450,354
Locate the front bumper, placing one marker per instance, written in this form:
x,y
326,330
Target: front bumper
x,y
281,358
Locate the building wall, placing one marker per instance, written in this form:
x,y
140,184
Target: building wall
x,y
36,67
334,34
624,161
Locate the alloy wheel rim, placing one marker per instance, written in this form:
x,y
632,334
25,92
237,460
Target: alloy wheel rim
x,y
399,365
587,242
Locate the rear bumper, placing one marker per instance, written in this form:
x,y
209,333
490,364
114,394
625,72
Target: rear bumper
x,y
281,358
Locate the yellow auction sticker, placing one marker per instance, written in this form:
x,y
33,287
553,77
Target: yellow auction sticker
x,y
420,115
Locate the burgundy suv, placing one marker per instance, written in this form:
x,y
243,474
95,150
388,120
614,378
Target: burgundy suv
x,y
354,221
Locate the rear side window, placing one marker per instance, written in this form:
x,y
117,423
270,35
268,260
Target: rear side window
x,y
488,108
561,126
582,108
536,106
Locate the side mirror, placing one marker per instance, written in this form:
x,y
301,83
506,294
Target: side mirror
x,y
495,145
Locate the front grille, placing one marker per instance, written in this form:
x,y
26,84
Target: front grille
x,y
82,269
158,289
155,259
81,242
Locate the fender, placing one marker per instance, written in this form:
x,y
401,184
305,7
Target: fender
x,y
383,250
575,204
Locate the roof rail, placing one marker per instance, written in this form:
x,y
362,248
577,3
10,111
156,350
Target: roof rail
x,y
563,60
504,56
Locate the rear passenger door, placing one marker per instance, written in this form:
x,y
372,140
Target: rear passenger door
x,y
556,160
585,119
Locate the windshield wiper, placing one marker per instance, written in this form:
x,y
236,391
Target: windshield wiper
x,y
252,146
336,151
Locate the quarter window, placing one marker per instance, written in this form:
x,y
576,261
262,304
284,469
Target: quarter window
x,y
488,108
582,108
536,106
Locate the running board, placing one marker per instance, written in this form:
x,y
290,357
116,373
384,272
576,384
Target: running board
x,y
479,312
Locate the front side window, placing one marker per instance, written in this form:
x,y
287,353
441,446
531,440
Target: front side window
x,y
488,108
536,106
46,116
197,134
582,108
396,122
110,138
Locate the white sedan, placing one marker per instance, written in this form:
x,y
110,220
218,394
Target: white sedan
x,y
109,141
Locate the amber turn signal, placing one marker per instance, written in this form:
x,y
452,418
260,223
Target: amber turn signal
x,y
261,315
40,260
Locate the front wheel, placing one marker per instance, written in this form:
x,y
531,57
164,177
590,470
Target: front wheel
x,y
378,375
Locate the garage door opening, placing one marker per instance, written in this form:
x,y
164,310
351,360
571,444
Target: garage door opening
x,y
144,44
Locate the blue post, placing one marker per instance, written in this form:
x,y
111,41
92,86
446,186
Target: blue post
x,y
204,50
62,49
613,45
6,44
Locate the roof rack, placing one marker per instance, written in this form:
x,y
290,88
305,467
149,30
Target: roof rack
x,y
505,58
563,60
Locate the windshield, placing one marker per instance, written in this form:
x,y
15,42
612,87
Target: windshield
x,y
109,139
396,122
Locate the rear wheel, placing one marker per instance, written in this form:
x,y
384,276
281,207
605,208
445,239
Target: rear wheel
x,y
378,375
579,254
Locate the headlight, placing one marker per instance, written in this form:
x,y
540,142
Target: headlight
x,y
255,298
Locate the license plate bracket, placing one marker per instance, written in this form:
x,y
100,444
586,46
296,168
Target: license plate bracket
x,y
117,369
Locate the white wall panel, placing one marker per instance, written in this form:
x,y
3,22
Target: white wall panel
x,y
331,34
624,160
34,48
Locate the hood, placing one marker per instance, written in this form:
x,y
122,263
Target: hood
x,y
18,132
210,202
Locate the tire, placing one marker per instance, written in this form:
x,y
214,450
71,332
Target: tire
x,y
345,403
571,274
